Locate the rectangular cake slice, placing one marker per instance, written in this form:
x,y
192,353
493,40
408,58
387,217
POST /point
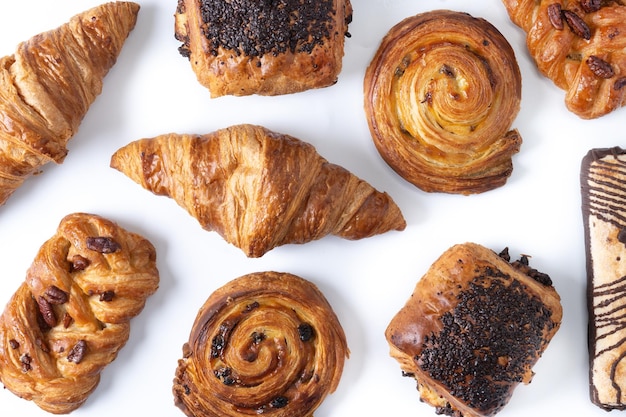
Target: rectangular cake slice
x,y
603,190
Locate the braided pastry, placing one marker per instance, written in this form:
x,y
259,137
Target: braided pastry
x,y
70,317
440,96
258,189
265,343
580,46
243,47
48,85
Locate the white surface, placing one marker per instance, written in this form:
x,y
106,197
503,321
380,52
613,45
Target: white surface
x,y
152,90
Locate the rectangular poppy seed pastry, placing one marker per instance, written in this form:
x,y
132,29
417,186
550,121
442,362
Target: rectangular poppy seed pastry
x,y
473,329
603,179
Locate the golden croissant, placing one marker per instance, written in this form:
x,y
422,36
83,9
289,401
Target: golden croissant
x,y
48,84
264,343
258,189
441,94
579,45
70,317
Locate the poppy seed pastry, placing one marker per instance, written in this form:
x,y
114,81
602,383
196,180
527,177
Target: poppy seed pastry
x,y
244,47
473,329
440,95
603,175
264,343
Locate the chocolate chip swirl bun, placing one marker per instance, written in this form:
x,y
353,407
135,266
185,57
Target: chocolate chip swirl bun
x,y
441,94
264,343
71,316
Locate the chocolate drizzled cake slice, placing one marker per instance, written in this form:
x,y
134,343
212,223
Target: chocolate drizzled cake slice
x,y
603,189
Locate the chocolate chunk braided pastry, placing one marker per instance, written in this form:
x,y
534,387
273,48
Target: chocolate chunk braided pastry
x,y
473,329
265,343
258,189
603,175
70,317
441,94
49,83
580,46
243,47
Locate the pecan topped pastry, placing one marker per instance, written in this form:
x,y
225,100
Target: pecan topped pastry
x,y
244,47
580,46
473,329
71,316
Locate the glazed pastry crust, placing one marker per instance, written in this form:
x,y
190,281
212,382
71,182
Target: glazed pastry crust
x,y
571,57
272,55
603,173
48,84
441,94
264,343
258,189
70,317
473,328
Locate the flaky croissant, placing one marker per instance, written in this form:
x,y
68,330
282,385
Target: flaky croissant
x,y
48,84
441,94
264,343
258,189
70,317
261,47
580,46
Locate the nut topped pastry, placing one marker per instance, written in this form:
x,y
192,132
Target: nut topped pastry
x,y
580,46
244,47
473,329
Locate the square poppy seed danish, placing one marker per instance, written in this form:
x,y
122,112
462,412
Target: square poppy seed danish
x,y
473,329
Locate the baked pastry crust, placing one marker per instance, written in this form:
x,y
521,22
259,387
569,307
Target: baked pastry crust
x,y
276,50
603,174
473,329
48,84
266,342
258,189
70,317
580,46
441,94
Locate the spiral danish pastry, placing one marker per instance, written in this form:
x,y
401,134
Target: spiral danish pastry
x,y
266,342
441,94
580,46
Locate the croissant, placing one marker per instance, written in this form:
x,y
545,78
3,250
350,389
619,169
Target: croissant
x,y
261,47
473,328
48,84
441,94
266,342
70,317
258,189
579,45
603,173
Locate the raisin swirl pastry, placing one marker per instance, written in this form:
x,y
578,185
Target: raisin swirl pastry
x,y
580,46
473,328
245,47
441,94
71,316
48,85
264,343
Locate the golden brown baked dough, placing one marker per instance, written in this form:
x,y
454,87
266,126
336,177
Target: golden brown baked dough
x,y
258,189
441,94
48,84
580,46
255,47
70,317
603,174
264,343
473,328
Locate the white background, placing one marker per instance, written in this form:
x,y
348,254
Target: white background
x,y
152,90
